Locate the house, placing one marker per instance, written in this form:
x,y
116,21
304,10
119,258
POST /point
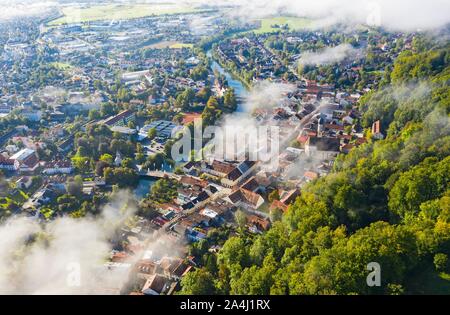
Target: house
x,y
121,119
40,198
32,115
258,224
238,174
188,181
7,164
310,176
58,167
164,129
246,198
288,197
155,285
322,147
25,160
191,168
376,131
256,184
145,268
277,204
175,268
24,182
125,131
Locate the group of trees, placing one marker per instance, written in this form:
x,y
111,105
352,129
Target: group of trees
x,y
386,201
164,190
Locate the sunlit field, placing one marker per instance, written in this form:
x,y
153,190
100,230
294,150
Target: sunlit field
x,y
122,12
276,24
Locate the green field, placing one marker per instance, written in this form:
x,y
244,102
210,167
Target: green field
x,y
118,12
168,44
62,66
181,45
268,25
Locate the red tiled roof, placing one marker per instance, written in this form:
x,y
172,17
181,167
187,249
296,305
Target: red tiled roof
x,y
376,127
259,222
290,196
334,127
190,117
188,180
311,175
31,161
222,167
302,139
277,204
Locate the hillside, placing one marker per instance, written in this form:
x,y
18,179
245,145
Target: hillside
x,y
387,201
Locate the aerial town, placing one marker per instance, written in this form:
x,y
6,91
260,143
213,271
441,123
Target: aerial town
x,y
91,109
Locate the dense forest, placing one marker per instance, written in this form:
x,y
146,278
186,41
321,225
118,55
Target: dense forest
x,y
386,201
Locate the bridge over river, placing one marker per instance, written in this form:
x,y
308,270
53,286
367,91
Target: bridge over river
x,y
157,175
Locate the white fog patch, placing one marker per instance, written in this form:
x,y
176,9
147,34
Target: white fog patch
x,y
64,256
10,9
266,95
330,55
408,15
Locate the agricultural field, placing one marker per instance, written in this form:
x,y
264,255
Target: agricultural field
x,y
276,24
181,45
62,66
118,12
168,44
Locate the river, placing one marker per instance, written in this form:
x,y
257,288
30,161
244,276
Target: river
x,y
241,93
239,89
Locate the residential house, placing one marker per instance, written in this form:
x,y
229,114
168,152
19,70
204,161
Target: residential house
x,y
258,224
322,148
376,131
174,269
58,167
7,163
25,160
121,119
24,182
247,199
155,285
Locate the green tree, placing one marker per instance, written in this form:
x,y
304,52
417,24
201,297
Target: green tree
x,y
198,282
229,100
151,134
107,158
441,262
75,186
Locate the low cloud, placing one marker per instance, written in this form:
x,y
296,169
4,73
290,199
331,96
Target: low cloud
x,y
11,9
407,15
330,55
266,95
240,135
64,256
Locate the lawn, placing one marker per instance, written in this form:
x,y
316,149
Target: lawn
x,y
62,66
119,12
168,44
181,45
275,24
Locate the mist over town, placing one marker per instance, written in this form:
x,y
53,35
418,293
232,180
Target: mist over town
x,y
227,147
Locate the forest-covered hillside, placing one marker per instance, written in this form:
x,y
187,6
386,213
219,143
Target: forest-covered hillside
x,y
387,201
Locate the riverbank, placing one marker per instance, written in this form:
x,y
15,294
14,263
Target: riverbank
x,y
241,89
